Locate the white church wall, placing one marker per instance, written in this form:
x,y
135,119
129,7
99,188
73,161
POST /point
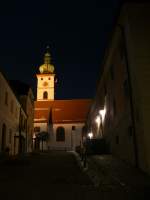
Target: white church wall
x,y
43,126
43,145
72,137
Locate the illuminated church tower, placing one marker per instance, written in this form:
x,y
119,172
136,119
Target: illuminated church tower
x,y
45,80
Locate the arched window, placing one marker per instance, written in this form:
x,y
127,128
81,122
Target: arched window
x,y
3,137
45,95
60,134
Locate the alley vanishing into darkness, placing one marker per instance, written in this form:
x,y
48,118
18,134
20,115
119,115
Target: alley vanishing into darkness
x,y
55,175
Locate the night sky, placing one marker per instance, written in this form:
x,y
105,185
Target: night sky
x,y
76,31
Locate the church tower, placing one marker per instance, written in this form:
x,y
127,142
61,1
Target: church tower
x,y
45,80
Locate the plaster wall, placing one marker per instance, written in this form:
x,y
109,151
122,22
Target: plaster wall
x,y
45,85
72,137
8,116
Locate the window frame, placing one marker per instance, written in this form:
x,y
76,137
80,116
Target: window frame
x,y
60,134
45,95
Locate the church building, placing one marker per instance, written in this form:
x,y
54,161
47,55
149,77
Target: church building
x,y
58,124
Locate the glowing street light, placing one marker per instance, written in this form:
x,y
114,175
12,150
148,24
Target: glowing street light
x,y
90,135
102,113
102,117
34,136
98,120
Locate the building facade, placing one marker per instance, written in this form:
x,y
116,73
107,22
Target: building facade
x,y
10,110
16,117
58,124
26,98
120,111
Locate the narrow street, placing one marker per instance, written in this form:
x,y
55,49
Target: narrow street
x,y
51,175
56,175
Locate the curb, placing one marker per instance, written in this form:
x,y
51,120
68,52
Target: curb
x,y
90,173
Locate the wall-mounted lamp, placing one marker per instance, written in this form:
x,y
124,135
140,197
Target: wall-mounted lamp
x,y
90,135
98,120
102,113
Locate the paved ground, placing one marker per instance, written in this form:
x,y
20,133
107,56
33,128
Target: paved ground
x,y
47,176
57,175
115,176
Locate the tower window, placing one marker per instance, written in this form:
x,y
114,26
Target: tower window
x,y
41,78
49,78
45,95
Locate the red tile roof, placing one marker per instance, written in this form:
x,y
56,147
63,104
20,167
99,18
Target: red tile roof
x,y
62,111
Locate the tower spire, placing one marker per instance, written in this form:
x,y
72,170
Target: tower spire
x,y
46,79
47,67
47,56
47,48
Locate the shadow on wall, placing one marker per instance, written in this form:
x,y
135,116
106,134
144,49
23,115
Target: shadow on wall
x,y
96,146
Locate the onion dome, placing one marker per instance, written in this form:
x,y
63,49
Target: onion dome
x,y
47,67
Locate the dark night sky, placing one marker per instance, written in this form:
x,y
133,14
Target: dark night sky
x,y
76,31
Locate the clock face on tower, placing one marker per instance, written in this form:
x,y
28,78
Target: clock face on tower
x,y
45,84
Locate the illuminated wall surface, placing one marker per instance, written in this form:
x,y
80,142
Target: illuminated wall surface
x,y
46,109
67,114
45,84
9,117
16,119
45,80
72,137
129,50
